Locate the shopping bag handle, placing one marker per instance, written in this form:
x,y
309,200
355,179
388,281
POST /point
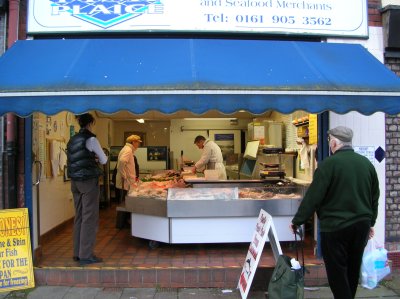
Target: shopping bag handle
x,y
299,231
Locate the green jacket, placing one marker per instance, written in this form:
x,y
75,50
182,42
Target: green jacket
x,y
344,190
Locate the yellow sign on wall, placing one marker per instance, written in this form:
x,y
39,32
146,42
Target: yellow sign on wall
x,y
312,129
16,268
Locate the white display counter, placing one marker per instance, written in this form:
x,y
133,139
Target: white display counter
x,y
213,212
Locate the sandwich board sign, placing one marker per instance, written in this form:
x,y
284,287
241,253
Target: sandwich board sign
x,y
16,269
264,228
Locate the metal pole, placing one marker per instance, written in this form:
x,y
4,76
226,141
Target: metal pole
x,y
322,153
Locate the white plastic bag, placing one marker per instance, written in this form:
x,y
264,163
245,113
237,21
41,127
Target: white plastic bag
x,y
374,265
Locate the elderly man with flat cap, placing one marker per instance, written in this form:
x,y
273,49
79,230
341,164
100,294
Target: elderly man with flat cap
x,y
344,193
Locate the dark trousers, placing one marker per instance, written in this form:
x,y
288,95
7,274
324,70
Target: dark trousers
x,y
86,201
120,195
342,252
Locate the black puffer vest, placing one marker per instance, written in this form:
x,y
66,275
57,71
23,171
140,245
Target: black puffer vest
x,y
81,162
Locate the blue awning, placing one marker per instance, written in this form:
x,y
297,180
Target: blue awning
x,y
197,75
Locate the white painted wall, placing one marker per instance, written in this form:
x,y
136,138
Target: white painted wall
x,y
156,132
56,203
55,198
368,131
390,2
183,132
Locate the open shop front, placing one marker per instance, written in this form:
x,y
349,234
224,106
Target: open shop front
x,y
271,81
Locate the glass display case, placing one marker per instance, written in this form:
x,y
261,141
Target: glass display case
x,y
203,193
214,212
211,199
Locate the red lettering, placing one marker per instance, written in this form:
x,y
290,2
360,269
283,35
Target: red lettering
x,y
243,282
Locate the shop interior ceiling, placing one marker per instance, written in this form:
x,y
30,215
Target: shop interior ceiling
x,y
159,116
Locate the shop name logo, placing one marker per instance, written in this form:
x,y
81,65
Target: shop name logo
x,y
106,13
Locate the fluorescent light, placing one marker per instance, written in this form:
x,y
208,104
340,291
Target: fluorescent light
x,y
208,119
140,120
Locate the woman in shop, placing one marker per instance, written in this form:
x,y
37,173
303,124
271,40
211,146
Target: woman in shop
x,y
211,157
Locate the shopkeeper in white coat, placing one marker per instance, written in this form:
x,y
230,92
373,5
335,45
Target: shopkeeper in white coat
x,y
211,157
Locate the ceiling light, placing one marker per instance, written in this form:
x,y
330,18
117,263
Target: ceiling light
x,y
140,120
208,119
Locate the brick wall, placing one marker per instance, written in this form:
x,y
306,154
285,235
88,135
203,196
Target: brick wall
x,y
392,234
2,31
374,15
22,19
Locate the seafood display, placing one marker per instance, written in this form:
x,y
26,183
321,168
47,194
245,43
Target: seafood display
x,y
171,184
161,176
157,185
280,190
156,189
263,194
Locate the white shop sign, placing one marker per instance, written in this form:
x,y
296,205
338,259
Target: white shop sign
x,y
366,151
319,17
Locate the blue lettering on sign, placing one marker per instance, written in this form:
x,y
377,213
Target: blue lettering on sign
x,y
106,13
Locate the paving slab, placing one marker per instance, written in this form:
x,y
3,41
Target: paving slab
x,y
209,293
218,293
109,293
393,281
4,294
48,292
167,294
81,293
387,289
378,292
138,293
325,292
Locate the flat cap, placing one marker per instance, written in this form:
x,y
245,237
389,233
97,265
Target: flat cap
x,y
133,138
342,133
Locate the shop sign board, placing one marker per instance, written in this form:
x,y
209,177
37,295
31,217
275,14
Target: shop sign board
x,y
300,17
264,228
312,129
16,269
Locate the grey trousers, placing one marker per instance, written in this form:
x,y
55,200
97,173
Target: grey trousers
x,y
86,200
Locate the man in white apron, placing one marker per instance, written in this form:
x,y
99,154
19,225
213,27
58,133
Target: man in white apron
x,y
211,157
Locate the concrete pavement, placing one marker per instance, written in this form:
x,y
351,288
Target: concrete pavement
x,y
57,292
388,289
